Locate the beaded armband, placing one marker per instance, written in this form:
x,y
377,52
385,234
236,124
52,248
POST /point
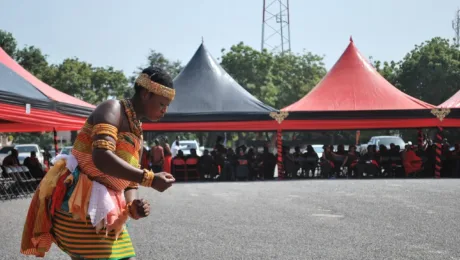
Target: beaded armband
x,y
104,144
148,178
105,129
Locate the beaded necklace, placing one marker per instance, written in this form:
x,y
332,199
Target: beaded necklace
x,y
134,123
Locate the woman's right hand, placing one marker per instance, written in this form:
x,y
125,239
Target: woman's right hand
x,y
162,181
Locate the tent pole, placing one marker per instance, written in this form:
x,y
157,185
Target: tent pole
x,y
419,137
438,166
279,144
55,141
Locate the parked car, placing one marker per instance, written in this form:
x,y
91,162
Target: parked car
x,y
318,149
66,150
386,140
187,145
25,149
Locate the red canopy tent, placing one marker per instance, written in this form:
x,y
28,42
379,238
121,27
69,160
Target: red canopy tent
x,y
49,108
353,95
452,102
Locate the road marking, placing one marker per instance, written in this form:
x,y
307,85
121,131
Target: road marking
x,y
294,196
327,215
193,194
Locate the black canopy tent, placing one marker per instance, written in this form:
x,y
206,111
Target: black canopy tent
x,y
209,99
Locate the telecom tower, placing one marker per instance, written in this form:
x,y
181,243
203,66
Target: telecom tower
x,y
456,27
276,32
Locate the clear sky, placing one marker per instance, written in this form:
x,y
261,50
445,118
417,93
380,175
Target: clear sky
x,y
120,33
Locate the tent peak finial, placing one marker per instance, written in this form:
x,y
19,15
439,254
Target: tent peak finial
x,y
202,40
351,38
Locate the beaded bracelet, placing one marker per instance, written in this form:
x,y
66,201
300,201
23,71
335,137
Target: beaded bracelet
x,y
104,144
148,178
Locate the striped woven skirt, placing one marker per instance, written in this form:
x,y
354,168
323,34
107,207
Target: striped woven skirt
x,y
79,239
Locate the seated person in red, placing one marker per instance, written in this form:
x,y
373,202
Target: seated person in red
x,y
35,167
412,163
351,160
12,159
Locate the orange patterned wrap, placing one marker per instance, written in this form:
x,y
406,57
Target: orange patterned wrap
x,y
127,148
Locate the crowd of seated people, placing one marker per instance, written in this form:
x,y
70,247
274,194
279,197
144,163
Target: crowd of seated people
x,y
373,161
31,162
225,164
248,163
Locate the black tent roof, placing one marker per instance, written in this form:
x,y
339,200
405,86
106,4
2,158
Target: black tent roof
x,y
19,87
206,92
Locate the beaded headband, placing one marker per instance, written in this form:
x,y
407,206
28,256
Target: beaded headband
x,y
156,88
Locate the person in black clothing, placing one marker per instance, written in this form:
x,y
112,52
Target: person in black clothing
x,y
311,162
206,165
327,162
35,167
242,166
12,159
367,163
267,164
384,159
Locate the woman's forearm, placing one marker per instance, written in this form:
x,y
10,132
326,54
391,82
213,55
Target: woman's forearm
x,y
110,164
131,195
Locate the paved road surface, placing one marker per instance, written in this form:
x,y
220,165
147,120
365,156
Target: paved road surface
x,y
330,219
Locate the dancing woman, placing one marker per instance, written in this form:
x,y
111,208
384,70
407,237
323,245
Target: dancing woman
x,y
85,199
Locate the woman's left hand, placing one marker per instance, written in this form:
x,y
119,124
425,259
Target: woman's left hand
x,y
139,209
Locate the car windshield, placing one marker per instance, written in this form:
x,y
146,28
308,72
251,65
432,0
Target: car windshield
x,y
318,149
6,149
390,140
66,150
188,146
26,149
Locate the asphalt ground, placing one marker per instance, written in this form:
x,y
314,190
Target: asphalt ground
x,y
319,219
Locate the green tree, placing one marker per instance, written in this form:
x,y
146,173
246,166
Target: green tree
x,y
33,60
107,83
91,84
389,70
431,71
276,79
159,60
73,77
295,75
42,139
156,59
8,43
251,69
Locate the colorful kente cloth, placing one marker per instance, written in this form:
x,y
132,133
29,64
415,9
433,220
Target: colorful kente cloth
x,y
59,209
78,239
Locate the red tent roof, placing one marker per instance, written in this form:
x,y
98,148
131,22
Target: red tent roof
x,y
14,119
452,102
48,91
353,84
